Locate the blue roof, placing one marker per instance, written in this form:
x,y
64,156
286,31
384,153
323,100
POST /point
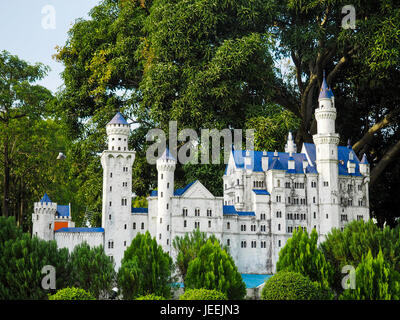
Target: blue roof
x,y
261,192
325,91
118,119
140,210
63,210
45,198
343,157
177,192
232,210
254,280
80,230
279,162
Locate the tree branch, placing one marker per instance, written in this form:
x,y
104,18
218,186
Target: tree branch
x,y
384,162
369,135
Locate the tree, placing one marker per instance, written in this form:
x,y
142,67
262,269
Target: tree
x,y
348,247
375,280
20,100
145,269
22,259
212,65
214,269
188,248
92,270
289,285
72,294
301,254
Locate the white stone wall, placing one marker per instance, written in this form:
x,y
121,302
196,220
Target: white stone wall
x,y
71,239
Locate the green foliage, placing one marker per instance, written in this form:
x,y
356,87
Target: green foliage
x,y
92,270
21,261
202,294
151,296
214,269
301,254
188,248
72,294
145,269
287,285
358,237
375,280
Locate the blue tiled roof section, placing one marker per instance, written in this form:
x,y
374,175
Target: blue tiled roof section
x,y
310,149
63,210
45,199
232,210
261,192
343,156
310,169
181,191
118,119
276,165
153,193
254,280
256,162
140,210
80,230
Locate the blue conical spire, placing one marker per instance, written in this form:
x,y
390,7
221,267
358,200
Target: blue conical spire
x,y
325,91
167,155
45,199
118,119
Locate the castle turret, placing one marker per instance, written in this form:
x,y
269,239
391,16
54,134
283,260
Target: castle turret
x,y
290,146
43,218
165,166
117,164
326,141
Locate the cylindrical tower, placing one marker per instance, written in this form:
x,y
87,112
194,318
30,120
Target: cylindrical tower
x,y
165,166
326,143
43,218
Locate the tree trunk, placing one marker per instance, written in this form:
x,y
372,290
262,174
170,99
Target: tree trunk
x,y
384,162
6,181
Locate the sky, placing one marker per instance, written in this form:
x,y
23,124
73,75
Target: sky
x,y
31,29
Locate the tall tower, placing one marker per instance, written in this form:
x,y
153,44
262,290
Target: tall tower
x,y
117,164
43,218
326,142
165,166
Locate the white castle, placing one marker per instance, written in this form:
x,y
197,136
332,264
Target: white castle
x,y
266,196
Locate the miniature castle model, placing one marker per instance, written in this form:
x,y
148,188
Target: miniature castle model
x,y
267,195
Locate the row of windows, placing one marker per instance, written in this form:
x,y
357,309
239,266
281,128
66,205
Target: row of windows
x,y
297,216
124,169
253,244
196,212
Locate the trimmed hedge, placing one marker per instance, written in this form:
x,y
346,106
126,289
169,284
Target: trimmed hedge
x,y
72,294
202,294
287,285
151,296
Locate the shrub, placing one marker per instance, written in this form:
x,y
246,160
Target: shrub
x,y
202,294
150,296
145,269
287,285
215,269
72,294
301,254
92,270
375,280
